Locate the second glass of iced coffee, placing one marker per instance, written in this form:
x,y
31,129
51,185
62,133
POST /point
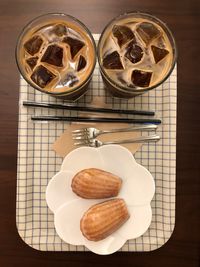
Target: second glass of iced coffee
x,y
136,53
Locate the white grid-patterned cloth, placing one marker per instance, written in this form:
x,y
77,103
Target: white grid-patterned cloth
x,y
37,163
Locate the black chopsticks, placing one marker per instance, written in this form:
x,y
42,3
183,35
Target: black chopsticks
x,y
87,109
90,109
94,119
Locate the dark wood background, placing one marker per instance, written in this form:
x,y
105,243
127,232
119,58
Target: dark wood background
x,y
183,17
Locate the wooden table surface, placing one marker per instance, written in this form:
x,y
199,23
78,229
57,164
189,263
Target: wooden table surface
x,y
183,17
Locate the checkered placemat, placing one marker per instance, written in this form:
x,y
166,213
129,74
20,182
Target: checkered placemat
x,y
37,163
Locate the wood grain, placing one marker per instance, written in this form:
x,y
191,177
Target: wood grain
x,y
183,17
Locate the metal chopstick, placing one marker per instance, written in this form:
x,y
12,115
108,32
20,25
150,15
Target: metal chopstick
x,y
94,119
87,109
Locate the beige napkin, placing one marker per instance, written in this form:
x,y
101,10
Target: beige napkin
x,y
64,144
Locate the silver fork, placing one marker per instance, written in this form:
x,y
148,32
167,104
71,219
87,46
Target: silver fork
x,y
89,133
98,143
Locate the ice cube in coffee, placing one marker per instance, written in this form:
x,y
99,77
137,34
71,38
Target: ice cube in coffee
x,y
42,76
112,61
53,55
159,53
136,52
59,30
147,31
32,45
141,78
32,61
123,34
74,44
70,79
81,63
57,55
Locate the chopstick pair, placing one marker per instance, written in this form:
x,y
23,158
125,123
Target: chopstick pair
x,y
90,109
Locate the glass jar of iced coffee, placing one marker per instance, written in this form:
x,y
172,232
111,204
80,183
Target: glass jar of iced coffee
x,y
56,54
136,53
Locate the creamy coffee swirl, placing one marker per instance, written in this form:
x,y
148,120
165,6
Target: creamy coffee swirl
x,y
135,53
57,56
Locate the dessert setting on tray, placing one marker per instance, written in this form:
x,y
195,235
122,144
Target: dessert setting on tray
x,y
96,134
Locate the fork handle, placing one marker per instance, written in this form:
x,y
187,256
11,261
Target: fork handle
x,y
149,127
143,139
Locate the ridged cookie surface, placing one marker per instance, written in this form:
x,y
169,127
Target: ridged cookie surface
x,y
95,183
103,219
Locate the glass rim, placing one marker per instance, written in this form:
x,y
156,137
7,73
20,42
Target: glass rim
x,y
22,72
128,89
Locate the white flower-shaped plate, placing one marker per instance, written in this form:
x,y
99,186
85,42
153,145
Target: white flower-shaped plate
x,y
137,190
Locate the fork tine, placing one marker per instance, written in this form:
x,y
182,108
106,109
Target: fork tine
x,y
81,143
78,134
80,130
81,137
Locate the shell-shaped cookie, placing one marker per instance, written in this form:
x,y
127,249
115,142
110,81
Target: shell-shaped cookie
x,y
102,219
95,183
